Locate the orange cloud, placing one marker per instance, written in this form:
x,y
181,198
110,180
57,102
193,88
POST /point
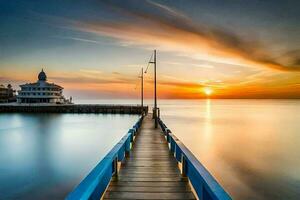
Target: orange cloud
x,y
173,31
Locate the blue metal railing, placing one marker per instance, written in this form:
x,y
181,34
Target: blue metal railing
x,y
205,185
96,182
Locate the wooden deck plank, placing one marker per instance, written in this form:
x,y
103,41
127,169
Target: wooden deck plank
x,y
145,175
151,168
150,171
174,189
148,184
151,179
148,195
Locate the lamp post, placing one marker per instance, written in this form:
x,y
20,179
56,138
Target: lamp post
x,y
142,91
155,95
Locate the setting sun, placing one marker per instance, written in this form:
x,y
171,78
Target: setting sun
x,y
207,91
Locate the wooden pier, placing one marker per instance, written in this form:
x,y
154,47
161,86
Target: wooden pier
x,y
150,171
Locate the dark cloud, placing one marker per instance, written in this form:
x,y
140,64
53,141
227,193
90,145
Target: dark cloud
x,y
293,57
297,61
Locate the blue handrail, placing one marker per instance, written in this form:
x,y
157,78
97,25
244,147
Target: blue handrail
x,y
205,185
95,183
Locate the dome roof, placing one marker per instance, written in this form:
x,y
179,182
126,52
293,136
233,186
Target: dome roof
x,y
42,76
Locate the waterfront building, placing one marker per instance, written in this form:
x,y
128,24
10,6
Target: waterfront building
x,y
7,94
41,92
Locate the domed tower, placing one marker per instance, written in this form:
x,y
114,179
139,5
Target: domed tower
x,y
42,76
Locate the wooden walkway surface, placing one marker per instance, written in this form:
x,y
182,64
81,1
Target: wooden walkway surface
x,y
151,171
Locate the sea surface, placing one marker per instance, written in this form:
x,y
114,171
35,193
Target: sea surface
x,y
252,147
44,156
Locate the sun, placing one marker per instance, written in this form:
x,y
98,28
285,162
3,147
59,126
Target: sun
x,y
207,91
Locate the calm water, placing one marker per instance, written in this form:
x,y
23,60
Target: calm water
x,y
44,156
252,147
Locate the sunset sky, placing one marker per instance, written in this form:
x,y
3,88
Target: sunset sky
x,y
96,48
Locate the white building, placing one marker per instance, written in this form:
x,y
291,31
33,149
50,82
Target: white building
x,y
41,92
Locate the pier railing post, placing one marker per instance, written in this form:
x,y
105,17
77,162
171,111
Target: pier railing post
x,y
153,113
115,167
184,166
128,144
